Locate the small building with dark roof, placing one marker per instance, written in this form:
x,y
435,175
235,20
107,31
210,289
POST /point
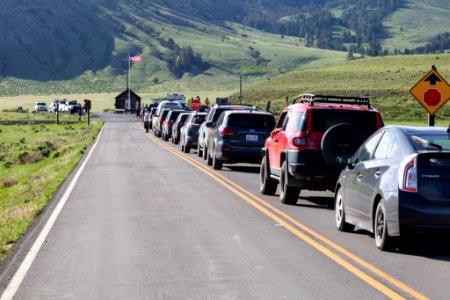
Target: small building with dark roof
x,y
123,104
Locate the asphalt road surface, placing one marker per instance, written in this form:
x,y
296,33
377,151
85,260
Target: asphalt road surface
x,y
146,221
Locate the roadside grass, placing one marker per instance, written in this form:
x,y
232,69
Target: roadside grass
x,y
34,161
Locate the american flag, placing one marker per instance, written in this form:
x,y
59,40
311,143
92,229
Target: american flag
x,y
134,58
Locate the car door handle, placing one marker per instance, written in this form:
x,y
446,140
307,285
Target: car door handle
x,y
359,177
377,173
275,141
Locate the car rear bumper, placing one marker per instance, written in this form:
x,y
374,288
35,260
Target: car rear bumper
x,y
417,213
310,171
235,154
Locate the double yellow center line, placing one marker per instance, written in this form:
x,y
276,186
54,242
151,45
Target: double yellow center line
x,y
314,239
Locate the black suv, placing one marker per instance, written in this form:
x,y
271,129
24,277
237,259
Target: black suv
x,y
211,118
311,142
238,137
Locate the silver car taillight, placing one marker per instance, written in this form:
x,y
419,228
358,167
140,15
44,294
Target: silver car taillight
x,y
408,174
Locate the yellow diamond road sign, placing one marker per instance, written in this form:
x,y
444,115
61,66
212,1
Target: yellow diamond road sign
x,y
432,91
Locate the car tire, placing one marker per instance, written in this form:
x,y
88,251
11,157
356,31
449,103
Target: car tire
x,y
187,149
339,210
380,230
267,186
209,159
165,137
199,150
288,194
341,140
216,164
205,153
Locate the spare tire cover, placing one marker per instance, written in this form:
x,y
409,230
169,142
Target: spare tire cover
x,y
341,140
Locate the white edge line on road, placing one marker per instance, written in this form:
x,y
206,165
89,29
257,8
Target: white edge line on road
x,y
16,281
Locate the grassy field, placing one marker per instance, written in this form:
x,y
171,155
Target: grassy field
x,y
385,80
103,101
34,161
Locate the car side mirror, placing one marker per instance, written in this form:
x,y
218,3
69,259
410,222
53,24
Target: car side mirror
x,y
209,124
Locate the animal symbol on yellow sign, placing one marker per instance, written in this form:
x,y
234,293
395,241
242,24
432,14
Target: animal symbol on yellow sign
x,y
432,91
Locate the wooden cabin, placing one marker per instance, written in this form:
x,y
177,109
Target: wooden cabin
x,y
123,105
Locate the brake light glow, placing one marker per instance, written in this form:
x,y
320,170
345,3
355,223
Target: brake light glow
x,y
226,149
409,179
169,123
223,131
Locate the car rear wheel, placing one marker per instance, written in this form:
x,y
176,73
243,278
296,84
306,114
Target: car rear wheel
x,y
288,194
187,149
382,239
217,164
267,186
205,153
340,213
209,159
199,150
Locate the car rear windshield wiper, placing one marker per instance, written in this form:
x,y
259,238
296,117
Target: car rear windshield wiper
x,y
425,143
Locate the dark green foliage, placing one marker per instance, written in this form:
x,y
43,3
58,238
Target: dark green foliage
x,y
182,59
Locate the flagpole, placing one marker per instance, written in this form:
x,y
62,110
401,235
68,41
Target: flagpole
x,y
128,83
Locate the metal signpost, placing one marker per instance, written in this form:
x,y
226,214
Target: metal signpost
x,y
432,91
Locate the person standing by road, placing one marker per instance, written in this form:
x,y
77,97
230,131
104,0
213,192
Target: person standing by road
x,y
146,119
80,113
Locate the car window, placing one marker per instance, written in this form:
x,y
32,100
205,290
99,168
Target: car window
x,y
220,120
255,121
430,141
281,120
299,122
387,148
323,119
367,149
198,119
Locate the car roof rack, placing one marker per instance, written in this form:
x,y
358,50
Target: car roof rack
x,y
312,98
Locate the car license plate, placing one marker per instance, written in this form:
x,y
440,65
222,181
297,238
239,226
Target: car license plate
x,y
251,138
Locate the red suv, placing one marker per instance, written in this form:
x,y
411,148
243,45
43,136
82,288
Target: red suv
x,y
312,141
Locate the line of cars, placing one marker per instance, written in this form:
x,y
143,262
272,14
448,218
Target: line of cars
x,y
64,106
388,180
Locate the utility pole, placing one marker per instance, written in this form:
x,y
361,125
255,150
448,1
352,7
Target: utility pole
x,y
240,89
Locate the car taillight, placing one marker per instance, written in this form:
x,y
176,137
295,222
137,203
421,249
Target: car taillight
x,y
160,121
169,123
223,131
408,180
299,141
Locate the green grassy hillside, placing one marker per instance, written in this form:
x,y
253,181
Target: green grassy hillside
x,y
413,25
84,49
385,80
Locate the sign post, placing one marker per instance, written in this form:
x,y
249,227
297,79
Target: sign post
x,y
432,91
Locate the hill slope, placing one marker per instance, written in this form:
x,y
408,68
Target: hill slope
x,y
82,46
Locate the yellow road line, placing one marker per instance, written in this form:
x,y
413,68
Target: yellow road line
x,y
252,199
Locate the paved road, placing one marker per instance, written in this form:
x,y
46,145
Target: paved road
x,y
145,221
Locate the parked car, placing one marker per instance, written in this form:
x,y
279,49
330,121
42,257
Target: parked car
x,y
152,113
238,137
189,132
157,126
212,116
311,141
178,124
40,106
172,115
165,105
397,182
52,107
